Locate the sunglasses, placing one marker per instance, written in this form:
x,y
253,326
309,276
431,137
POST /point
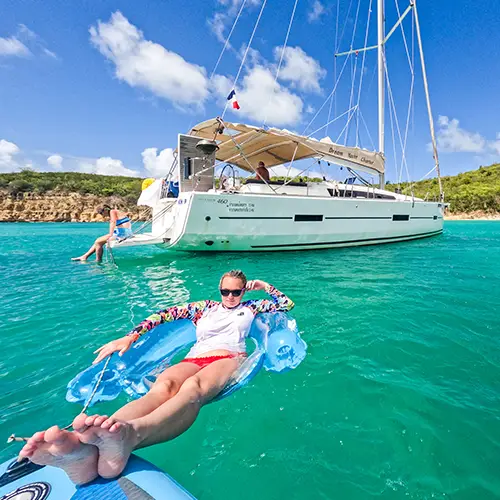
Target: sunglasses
x,y
235,293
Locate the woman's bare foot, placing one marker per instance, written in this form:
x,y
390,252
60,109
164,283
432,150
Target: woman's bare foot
x,y
81,258
114,439
63,449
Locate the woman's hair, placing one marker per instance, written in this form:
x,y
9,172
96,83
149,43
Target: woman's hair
x,y
234,273
103,208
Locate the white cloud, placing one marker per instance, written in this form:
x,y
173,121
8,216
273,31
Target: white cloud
x,y
55,161
452,138
24,43
8,151
495,145
317,10
49,53
13,47
300,69
221,86
223,18
106,166
218,25
157,165
146,64
260,97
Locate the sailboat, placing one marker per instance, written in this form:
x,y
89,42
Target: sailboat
x,y
202,205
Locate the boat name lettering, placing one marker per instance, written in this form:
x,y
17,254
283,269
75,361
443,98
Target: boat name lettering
x,y
366,160
241,207
336,152
222,201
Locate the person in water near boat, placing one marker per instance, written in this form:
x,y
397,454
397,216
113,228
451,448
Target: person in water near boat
x,y
119,227
101,446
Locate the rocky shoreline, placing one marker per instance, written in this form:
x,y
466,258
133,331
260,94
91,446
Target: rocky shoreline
x,y
72,207
476,215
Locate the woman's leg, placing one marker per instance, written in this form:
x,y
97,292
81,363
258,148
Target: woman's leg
x,y
98,244
166,386
178,414
99,247
117,439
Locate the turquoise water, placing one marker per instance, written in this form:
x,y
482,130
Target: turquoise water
x,y
397,398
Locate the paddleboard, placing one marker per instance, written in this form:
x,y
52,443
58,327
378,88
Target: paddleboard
x,y
139,481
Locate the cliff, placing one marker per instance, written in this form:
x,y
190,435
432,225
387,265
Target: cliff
x,y
64,196
54,207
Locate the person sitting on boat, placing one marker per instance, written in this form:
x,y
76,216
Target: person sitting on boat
x,y
101,445
262,173
119,227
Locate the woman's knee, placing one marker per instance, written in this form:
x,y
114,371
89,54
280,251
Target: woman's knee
x,y
165,388
194,388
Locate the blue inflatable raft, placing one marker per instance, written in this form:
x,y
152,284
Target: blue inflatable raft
x,y
278,348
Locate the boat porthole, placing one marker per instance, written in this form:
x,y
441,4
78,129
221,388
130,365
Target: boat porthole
x,y
33,491
208,218
209,243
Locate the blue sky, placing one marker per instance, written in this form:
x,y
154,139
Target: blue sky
x,y
106,86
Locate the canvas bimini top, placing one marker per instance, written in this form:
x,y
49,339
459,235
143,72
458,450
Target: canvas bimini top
x,y
246,145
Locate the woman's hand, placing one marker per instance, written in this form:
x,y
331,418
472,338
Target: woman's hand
x,y
256,285
122,345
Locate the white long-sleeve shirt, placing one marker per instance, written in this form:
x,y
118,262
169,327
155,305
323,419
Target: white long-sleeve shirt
x,y
218,327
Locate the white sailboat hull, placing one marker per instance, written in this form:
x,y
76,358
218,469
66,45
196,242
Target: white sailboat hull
x,y
253,222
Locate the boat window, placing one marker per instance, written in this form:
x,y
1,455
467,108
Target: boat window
x,y
187,168
308,218
400,217
275,183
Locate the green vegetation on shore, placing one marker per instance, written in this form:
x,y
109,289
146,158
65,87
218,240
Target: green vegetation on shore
x,y
467,192
28,181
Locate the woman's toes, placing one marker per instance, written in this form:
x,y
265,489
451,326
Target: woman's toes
x,y
89,421
26,450
38,437
115,427
99,420
108,423
79,422
54,434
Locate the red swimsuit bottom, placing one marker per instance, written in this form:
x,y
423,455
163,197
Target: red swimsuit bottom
x,y
207,360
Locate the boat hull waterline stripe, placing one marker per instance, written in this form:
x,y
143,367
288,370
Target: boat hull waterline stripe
x,y
316,218
347,242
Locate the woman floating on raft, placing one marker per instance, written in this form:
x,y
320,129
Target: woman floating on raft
x,y
101,445
119,227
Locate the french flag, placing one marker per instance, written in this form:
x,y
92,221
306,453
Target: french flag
x,y
232,97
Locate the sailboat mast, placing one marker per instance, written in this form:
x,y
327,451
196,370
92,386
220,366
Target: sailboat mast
x,y
428,100
381,82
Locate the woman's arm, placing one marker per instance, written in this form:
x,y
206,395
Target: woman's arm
x,y
279,301
113,217
192,311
